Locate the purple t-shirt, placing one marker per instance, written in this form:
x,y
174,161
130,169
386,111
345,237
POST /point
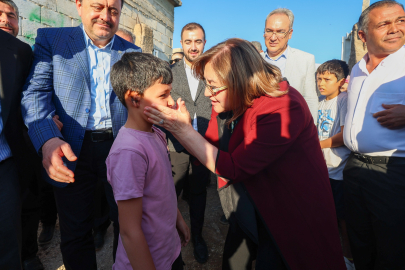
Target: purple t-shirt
x,y
138,166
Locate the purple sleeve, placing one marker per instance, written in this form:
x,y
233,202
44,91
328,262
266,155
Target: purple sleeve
x,y
126,172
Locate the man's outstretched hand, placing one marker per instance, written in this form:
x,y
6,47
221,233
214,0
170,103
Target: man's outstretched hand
x,y
53,151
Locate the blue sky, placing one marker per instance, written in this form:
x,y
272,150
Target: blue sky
x,y
318,27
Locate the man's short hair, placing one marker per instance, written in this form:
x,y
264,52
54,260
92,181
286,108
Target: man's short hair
x,y
127,33
364,19
337,67
122,3
284,11
11,4
257,45
137,72
192,26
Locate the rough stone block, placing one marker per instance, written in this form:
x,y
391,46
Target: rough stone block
x,y
54,19
127,21
157,35
29,28
161,28
126,9
29,10
158,45
19,24
161,55
76,22
165,40
50,4
144,37
169,33
168,50
68,8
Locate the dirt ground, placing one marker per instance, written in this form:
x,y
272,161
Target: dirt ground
x,y
214,234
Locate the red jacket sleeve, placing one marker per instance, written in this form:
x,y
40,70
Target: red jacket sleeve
x,y
270,135
211,135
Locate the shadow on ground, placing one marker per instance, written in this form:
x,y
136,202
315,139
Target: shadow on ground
x,y
214,234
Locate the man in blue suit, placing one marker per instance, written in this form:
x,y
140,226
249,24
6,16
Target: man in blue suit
x,y
70,78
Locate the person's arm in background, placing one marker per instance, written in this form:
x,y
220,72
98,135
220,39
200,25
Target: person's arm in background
x,y
38,110
334,141
132,236
309,88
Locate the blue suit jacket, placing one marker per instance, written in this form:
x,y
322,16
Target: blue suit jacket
x,y
59,83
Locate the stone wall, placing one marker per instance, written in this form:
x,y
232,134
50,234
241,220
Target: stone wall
x,y
156,14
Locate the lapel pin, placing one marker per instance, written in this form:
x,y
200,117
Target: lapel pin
x,y
119,51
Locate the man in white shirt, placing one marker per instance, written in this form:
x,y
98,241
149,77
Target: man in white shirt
x,y
295,65
374,131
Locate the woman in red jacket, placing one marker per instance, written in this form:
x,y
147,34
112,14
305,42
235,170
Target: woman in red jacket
x,y
263,146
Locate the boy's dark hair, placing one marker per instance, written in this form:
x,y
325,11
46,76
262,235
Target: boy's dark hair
x,y
192,26
137,72
337,67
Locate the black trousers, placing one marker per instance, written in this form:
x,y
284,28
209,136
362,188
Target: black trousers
x,y
75,204
49,213
10,216
375,213
240,251
186,168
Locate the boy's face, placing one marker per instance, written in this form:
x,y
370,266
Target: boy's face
x,y
328,84
156,94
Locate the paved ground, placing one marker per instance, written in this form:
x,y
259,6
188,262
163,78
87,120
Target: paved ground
x,y
214,234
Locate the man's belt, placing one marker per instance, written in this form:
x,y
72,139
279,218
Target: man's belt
x,y
99,135
379,160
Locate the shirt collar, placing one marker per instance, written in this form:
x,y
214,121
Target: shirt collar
x,y
393,60
89,42
284,54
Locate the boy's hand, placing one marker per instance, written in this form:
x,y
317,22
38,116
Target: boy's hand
x,y
182,229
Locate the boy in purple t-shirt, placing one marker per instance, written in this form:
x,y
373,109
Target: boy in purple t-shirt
x,y
139,170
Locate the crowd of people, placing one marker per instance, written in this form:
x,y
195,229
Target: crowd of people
x,y
309,163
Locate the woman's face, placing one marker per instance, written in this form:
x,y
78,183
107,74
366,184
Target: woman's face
x,y
220,100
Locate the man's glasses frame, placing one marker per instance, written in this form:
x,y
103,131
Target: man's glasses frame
x,y
174,61
280,35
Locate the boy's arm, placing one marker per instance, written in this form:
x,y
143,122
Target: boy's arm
x,y
182,229
334,141
133,239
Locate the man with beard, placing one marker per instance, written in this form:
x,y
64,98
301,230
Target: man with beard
x,y
188,173
70,77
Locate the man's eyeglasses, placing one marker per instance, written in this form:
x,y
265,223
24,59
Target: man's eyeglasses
x,y
279,34
174,61
215,91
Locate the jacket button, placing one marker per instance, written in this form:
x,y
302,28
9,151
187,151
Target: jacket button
x,y
87,110
195,103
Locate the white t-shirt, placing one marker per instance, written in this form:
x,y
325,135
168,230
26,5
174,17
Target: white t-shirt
x,y
331,116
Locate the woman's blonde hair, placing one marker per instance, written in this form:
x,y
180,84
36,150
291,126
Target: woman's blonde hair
x,y
241,68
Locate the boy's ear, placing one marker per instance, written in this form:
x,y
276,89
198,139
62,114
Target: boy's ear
x,y
132,99
342,82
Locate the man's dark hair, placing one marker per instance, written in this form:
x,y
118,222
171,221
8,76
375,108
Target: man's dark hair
x,y
137,72
11,4
122,3
337,67
365,15
192,26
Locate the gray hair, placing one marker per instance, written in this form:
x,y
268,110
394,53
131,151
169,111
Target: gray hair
x,y
11,4
284,11
126,33
364,19
257,45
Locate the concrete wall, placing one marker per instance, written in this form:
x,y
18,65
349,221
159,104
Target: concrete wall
x,y
158,14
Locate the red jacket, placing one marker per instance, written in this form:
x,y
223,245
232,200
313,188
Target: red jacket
x,y
274,150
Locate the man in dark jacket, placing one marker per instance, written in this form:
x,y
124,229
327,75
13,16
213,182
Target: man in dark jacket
x,y
187,170
18,161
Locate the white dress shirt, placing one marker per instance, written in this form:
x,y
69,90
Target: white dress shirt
x,y
367,92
